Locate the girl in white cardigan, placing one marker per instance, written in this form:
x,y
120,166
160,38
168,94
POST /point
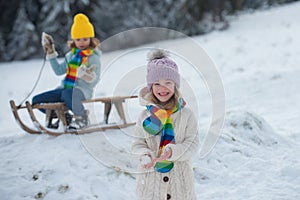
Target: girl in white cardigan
x,y
166,135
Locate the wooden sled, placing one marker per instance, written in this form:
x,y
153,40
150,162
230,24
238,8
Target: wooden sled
x,y
60,109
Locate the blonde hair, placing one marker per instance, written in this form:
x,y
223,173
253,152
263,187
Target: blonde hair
x,y
170,104
94,43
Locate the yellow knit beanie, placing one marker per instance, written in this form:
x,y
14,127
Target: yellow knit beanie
x,y
82,28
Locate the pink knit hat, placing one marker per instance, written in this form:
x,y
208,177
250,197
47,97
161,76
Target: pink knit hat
x,y
161,67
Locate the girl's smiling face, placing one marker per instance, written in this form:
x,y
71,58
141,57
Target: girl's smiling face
x,y
82,43
163,89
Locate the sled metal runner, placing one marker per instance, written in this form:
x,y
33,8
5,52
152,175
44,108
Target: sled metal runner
x,y
60,109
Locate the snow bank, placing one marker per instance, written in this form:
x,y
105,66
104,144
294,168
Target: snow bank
x,y
250,161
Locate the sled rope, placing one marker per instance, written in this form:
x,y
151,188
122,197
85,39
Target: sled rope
x,y
36,82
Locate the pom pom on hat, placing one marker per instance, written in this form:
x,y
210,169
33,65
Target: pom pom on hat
x,y
160,66
157,54
82,28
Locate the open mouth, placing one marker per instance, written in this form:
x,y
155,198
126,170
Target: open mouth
x,y
163,94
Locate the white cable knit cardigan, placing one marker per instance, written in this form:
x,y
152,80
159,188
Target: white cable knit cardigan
x,y
178,184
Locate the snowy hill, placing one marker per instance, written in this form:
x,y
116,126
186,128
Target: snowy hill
x,y
256,157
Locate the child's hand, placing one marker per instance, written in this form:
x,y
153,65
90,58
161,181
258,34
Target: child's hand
x,y
48,43
165,155
148,162
87,73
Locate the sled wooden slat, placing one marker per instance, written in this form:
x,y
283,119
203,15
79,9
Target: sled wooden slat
x,y
37,123
109,99
58,108
104,100
18,119
49,106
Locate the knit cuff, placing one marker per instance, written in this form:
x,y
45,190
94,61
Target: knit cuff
x,y
52,55
175,155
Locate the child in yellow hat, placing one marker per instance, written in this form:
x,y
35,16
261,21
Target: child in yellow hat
x,y
81,68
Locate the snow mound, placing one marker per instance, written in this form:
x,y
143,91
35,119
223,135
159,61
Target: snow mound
x,y
249,152
245,137
249,129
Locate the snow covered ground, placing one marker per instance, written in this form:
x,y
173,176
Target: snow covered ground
x,y
256,157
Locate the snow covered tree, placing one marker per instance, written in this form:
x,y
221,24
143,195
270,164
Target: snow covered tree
x,y
23,39
20,33
2,47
